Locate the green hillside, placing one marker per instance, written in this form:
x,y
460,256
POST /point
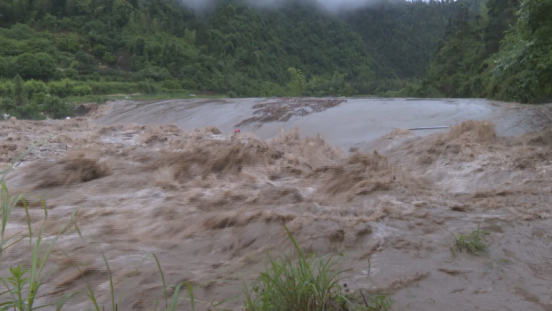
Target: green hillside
x,y
53,50
502,53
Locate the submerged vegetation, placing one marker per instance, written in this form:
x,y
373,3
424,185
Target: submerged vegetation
x,y
471,242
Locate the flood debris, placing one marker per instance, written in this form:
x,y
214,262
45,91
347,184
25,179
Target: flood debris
x,y
283,109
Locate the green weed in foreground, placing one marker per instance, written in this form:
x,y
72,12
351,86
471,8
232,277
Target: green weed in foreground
x,y
310,284
24,284
471,242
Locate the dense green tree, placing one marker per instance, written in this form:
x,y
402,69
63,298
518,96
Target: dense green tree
x,y
477,60
523,70
36,66
298,84
18,90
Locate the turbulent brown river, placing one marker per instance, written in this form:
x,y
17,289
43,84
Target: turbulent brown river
x,y
345,175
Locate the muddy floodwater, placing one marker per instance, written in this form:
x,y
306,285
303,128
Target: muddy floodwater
x,y
345,175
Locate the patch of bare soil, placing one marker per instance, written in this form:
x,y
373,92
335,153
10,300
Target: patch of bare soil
x,y
285,108
210,205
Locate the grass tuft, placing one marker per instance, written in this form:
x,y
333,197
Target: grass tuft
x,y
310,284
472,242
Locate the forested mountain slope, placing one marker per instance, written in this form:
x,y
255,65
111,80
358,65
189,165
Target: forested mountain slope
x,y
52,49
403,36
502,53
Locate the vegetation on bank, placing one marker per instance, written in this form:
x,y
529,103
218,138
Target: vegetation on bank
x,y
501,53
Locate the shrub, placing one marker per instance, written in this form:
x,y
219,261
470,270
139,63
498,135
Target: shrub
x,y
171,85
10,47
39,98
31,87
95,76
57,108
81,90
7,66
74,64
19,32
71,73
189,84
65,59
41,45
99,50
68,44
109,58
29,111
6,89
25,110
149,87
67,87
104,88
61,88
18,90
39,66
86,63
7,105
154,73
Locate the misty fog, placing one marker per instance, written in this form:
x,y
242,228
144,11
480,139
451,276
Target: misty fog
x,y
330,5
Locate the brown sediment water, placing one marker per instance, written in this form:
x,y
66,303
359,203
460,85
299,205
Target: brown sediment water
x,y
172,178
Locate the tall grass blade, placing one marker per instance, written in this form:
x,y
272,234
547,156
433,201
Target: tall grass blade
x,y
63,300
294,243
44,207
249,306
121,299
78,229
6,240
93,298
110,283
162,279
7,204
28,218
191,291
174,301
36,269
